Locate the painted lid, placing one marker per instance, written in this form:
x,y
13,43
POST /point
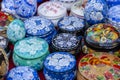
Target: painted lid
x,y
71,24
38,26
100,66
22,73
78,9
60,62
8,6
3,63
31,47
102,36
65,41
52,10
16,30
114,14
3,42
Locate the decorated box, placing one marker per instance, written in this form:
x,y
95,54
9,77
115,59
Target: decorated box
x,y
25,8
66,42
16,30
3,64
22,73
8,6
100,66
40,27
52,10
102,36
30,51
77,9
95,11
60,66
71,24
114,16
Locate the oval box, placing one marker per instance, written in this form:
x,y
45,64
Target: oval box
x,y
102,36
60,66
52,10
66,42
22,73
3,64
30,51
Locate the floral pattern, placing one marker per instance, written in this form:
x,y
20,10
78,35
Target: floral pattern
x,y
114,16
38,26
59,65
22,73
71,23
95,11
31,47
65,41
112,3
16,30
25,8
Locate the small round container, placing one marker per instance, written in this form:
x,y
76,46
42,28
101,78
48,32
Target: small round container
x,y
25,8
54,12
114,16
60,66
66,42
16,31
40,27
22,73
77,10
102,36
8,6
3,64
71,24
67,3
100,66
95,12
30,51
112,3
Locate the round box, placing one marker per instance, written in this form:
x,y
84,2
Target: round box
x,y
8,6
112,3
22,73
3,64
95,11
60,66
102,36
114,16
54,12
40,27
30,51
25,8
77,10
71,24
16,30
100,66
66,42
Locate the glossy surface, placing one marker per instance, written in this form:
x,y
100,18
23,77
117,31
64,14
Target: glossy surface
x,y
59,65
103,36
71,24
95,11
22,73
25,8
100,66
16,30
